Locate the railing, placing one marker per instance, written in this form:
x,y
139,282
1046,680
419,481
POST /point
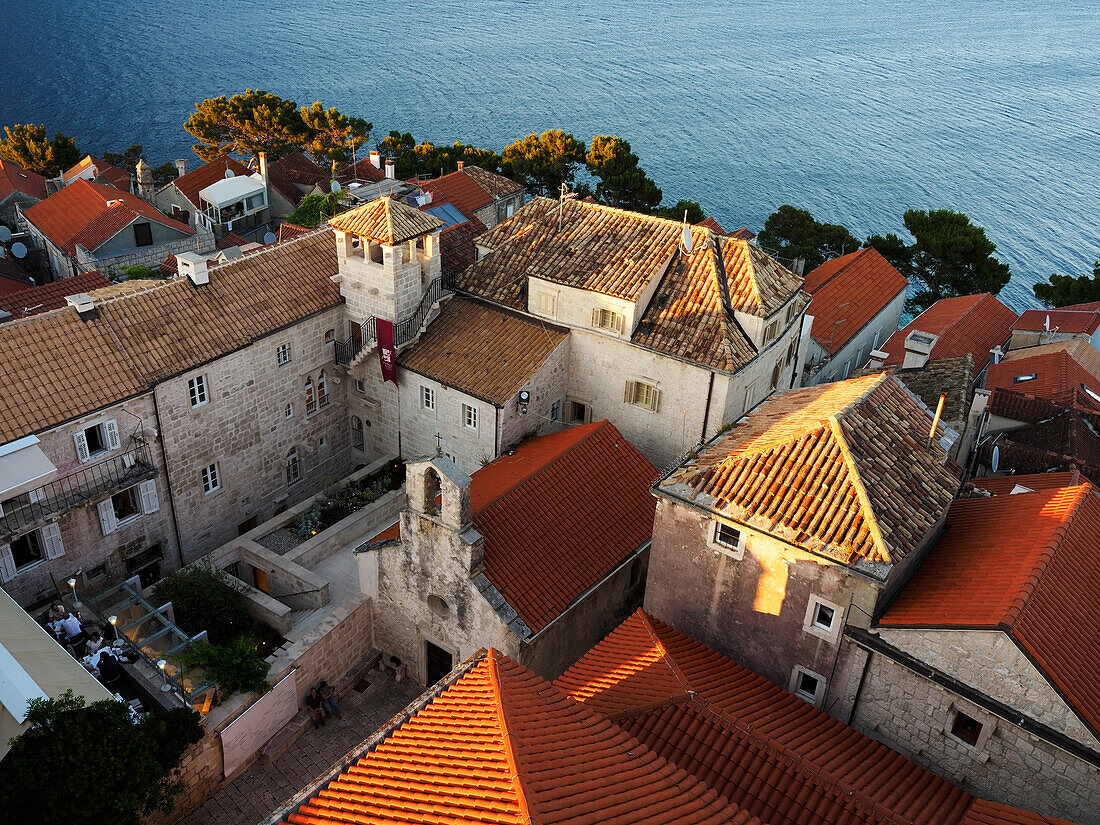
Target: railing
x,y
403,331
76,490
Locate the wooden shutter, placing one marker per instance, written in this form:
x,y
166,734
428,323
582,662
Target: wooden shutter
x,y
596,318
149,501
107,516
655,399
36,495
51,539
81,446
618,322
7,563
113,440
628,395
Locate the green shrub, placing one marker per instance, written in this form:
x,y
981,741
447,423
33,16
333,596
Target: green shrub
x,y
340,502
236,666
204,598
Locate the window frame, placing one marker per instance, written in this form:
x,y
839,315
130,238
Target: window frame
x,y
211,478
813,627
615,317
358,433
142,242
643,394
288,410
771,331
323,397
283,354
428,398
986,725
550,310
293,468
134,494
469,417
311,397
714,529
795,686
197,391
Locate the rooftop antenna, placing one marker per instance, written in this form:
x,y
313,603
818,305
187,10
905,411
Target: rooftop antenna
x,y
5,234
1046,323
19,250
687,242
562,195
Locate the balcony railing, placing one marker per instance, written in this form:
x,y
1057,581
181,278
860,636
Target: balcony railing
x,y
76,490
404,330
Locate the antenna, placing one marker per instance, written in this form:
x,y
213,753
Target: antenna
x,y
995,462
563,195
5,234
19,250
687,243
335,187
270,238
1046,323
229,173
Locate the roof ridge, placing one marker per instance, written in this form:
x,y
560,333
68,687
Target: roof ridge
x,y
666,655
861,491
509,751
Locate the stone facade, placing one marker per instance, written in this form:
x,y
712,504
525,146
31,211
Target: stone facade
x,y
500,210
853,355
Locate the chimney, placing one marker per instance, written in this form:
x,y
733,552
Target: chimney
x,y
918,347
878,358
194,266
84,304
389,169
996,354
798,267
461,165
375,159
263,166
181,167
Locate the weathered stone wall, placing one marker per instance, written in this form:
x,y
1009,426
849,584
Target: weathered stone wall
x,y
753,383
913,715
150,256
858,348
470,448
201,772
348,638
547,385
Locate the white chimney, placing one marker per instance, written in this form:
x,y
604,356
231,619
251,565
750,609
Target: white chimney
x,y
461,165
918,348
82,301
996,354
263,166
194,266
181,167
389,169
878,358
375,159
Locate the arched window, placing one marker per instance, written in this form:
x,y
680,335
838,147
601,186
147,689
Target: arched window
x,y
311,397
322,390
432,490
357,432
293,468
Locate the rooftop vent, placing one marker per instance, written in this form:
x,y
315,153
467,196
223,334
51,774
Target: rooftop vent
x,y
918,348
194,266
83,303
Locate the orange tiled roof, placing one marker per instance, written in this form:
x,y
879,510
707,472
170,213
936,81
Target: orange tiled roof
x,y
292,171
1050,371
90,213
848,292
617,252
361,170
43,298
456,245
198,179
386,221
1004,485
1025,564
468,189
713,225
501,745
839,469
765,750
104,173
290,231
452,350
14,178
1060,320
968,323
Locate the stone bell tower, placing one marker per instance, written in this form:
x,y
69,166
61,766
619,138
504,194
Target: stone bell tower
x,y
146,189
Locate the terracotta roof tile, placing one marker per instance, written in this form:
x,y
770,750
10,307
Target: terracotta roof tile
x,y
848,292
453,350
460,189
386,221
456,245
497,186
104,174
969,323
1004,485
1024,564
951,376
198,179
1058,369
1061,320
51,296
14,178
90,213
713,225
840,469
290,231
291,173
361,170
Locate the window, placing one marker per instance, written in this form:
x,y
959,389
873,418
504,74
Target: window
x,y
357,432
196,390
330,336
547,304
790,312
27,549
807,685
311,397
966,728
577,412
792,350
874,341
210,480
847,368
607,319
641,394
822,618
293,468
1019,379
469,417
322,391
288,411
143,234
727,536
125,506
360,386
282,354
452,457
96,440
859,358
750,396
777,374
771,332
427,398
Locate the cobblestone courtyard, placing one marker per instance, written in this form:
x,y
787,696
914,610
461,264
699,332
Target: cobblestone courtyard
x,y
255,794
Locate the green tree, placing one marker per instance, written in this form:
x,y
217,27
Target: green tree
x,y
205,598
622,181
692,208
950,256
164,174
793,233
93,765
26,144
543,162
247,124
139,273
316,208
126,159
333,136
236,666
432,161
1064,290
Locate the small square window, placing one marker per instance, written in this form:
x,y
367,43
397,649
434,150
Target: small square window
x,y
469,417
196,390
640,394
330,336
966,728
27,550
282,354
577,412
427,398
126,505
360,386
210,480
822,618
807,686
727,536
607,319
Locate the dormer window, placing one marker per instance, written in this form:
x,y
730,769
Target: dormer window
x,y
607,319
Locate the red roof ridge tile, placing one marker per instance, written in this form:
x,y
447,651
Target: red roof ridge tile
x,y
509,750
855,478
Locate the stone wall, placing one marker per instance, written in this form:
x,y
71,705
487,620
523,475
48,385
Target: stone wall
x,y
201,772
913,715
348,638
469,448
150,256
547,386
858,348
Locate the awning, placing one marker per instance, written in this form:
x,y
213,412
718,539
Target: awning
x,y
23,467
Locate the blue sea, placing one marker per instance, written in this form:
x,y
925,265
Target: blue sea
x,y
854,110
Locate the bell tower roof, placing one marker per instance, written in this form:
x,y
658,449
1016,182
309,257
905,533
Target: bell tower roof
x,y
386,221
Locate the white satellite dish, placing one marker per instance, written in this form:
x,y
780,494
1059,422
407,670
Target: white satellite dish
x,y
995,462
270,237
1046,324
335,187
229,173
5,234
19,250
687,241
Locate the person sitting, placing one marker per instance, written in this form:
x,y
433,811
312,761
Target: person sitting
x,y
57,612
73,632
328,700
94,643
315,706
110,671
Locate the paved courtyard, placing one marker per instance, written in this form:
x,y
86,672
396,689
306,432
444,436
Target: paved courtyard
x,y
255,794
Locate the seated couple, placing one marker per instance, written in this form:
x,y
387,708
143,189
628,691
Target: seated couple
x,y
321,704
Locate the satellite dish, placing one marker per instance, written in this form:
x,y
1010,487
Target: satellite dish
x,y
1046,324
3,253
335,187
687,241
270,237
995,462
19,250
5,234
229,173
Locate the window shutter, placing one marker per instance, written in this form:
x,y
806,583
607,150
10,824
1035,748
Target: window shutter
x,y
107,516
628,395
587,413
7,563
656,402
81,446
596,318
618,322
36,496
112,435
51,538
149,501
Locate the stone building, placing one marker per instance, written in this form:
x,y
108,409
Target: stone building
x,y
180,197
796,522
94,170
984,666
857,303
1046,326
18,186
90,226
540,554
476,194
290,179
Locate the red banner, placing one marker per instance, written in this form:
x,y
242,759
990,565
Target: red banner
x,y
386,356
